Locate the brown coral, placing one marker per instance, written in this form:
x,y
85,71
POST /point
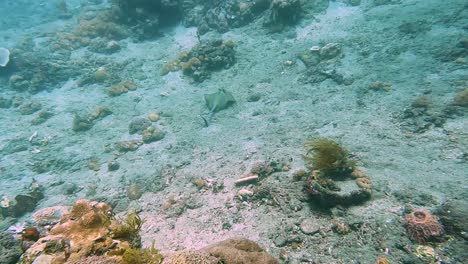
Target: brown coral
x,y
422,226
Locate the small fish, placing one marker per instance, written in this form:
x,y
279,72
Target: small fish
x,y
33,136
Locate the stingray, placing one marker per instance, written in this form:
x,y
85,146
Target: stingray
x,y
216,102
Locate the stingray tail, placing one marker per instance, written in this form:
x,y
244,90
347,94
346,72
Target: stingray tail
x,y
207,120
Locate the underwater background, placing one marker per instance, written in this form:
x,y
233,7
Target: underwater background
x,y
233,131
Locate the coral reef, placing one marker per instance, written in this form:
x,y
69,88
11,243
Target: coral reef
x,y
422,226
89,230
283,13
146,17
35,68
203,59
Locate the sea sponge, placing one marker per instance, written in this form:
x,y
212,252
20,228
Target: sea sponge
x,y
421,226
328,157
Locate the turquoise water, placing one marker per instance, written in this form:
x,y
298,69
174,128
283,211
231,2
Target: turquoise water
x,y
196,116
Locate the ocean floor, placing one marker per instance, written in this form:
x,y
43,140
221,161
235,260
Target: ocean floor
x,y
392,58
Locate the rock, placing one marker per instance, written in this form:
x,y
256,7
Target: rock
x,y
15,145
69,188
17,82
121,88
10,249
330,51
283,13
42,117
281,241
295,205
138,125
309,226
30,108
5,103
113,165
254,97
134,191
25,203
152,134
241,250
50,215
128,145
81,123
190,257
453,214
